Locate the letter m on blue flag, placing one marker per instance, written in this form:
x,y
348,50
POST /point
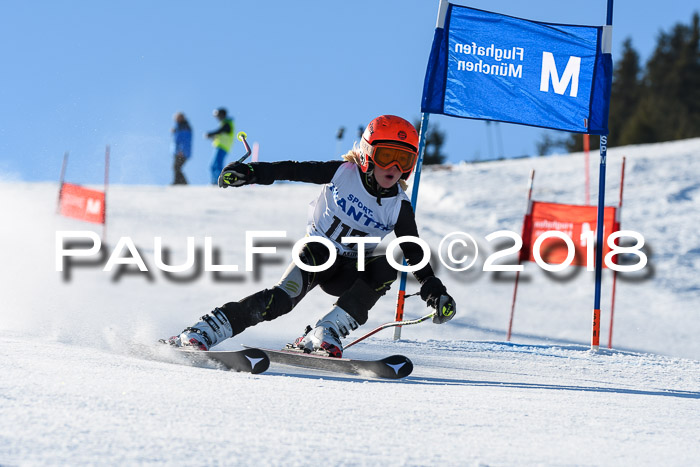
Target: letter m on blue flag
x,y
494,67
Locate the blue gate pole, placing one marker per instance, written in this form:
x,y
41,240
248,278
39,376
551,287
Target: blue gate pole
x,y
595,337
442,11
414,201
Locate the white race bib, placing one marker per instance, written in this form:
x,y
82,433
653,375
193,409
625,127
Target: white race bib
x,y
345,209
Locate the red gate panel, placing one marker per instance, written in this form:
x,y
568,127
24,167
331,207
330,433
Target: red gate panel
x,y
572,220
82,203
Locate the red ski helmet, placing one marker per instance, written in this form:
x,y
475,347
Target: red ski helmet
x,y
389,141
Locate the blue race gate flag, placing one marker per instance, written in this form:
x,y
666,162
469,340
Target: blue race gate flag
x,y
494,67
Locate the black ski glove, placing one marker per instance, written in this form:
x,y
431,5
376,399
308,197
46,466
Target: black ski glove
x,y
236,174
435,295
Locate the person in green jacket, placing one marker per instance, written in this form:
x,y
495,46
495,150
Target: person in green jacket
x,y
222,140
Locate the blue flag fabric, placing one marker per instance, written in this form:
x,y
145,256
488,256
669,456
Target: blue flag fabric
x,y
489,66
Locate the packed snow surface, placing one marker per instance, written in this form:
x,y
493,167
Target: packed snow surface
x,y
83,383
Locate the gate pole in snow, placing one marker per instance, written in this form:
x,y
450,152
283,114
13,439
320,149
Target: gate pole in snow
x,y
414,201
528,211
104,208
440,23
587,167
614,284
595,335
60,181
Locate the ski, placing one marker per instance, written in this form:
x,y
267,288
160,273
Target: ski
x,y
393,367
249,360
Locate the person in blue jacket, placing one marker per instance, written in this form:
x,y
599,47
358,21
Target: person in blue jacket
x,y
182,146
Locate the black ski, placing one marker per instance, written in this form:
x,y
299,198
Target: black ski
x,y
393,367
249,360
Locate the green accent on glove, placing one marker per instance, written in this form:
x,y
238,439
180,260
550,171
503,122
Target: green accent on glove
x,y
447,310
227,178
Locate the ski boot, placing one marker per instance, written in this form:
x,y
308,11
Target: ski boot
x,y
209,331
325,337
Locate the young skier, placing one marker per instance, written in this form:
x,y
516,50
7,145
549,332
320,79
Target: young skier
x,y
363,195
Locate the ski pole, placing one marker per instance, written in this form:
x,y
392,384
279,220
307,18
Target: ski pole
x,y
223,177
242,138
389,325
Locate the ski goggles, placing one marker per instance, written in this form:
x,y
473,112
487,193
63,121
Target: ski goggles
x,y
388,156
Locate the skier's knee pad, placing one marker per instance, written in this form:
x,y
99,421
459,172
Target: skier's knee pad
x,y
297,282
293,282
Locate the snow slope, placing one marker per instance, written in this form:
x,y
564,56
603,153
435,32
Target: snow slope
x,y
82,383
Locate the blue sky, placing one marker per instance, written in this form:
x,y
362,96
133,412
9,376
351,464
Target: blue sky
x,y
78,75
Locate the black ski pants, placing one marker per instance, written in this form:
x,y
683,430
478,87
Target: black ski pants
x,y
357,291
179,178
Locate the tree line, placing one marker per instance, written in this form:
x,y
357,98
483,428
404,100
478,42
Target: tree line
x,y
659,101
